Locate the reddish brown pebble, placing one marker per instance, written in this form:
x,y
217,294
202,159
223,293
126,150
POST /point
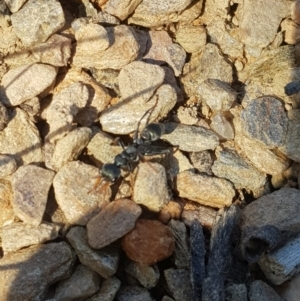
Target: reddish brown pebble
x,y
172,210
149,242
114,221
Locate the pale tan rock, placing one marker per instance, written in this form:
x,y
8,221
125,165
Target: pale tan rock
x,y
222,127
47,263
9,42
70,147
150,187
114,221
16,236
56,51
31,107
37,20
172,210
75,193
64,106
106,18
191,38
8,165
121,52
149,242
120,8
31,185
83,283
295,11
205,190
6,195
14,5
25,82
153,13
187,116
291,31
215,9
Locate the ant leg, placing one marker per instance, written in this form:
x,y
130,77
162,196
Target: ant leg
x,y
96,185
118,141
142,159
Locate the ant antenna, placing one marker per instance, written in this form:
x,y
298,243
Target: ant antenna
x,y
135,136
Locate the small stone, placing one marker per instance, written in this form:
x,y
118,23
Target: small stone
x,y
74,191
69,147
4,116
191,38
104,261
56,51
37,20
259,290
291,31
114,221
34,268
211,191
120,8
187,116
179,284
83,283
172,210
202,161
16,236
222,127
31,185
132,293
25,82
8,165
150,187
31,107
149,242
147,275
7,214
14,5
106,18
108,290
295,11
290,291
264,119
236,292
190,138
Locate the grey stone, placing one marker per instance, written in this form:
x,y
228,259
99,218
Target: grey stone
x,y
8,165
133,293
83,283
259,290
31,185
34,269
4,116
236,292
106,18
202,161
221,125
104,261
37,20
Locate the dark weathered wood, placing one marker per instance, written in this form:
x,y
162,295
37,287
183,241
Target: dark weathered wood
x,y
219,257
197,246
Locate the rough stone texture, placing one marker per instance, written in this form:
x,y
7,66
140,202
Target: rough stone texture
x,y
236,292
202,161
114,221
190,37
108,290
64,106
104,261
55,51
147,275
75,193
259,290
265,120
19,235
37,20
134,293
205,190
205,64
31,185
83,283
238,170
34,269
25,82
6,211
179,284
172,210
153,14
149,242
120,8
190,138
121,52
290,291
222,126
105,18
4,116
150,187
8,165
14,5
70,147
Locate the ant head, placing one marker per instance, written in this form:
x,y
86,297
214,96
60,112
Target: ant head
x,y
110,172
153,132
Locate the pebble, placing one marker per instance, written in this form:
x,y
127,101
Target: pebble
x,y
211,191
14,5
37,20
113,222
237,292
133,293
31,185
104,261
16,236
187,116
202,161
190,138
295,11
34,269
259,290
69,147
265,120
222,127
149,242
120,8
179,284
4,116
120,53
231,166
105,18
25,82
150,186
108,290
75,194
147,275
172,210
7,214
8,165
83,283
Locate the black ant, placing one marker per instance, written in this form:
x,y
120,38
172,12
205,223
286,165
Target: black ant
x,y
141,146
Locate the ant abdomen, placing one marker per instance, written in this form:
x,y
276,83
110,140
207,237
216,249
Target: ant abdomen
x,y
153,132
